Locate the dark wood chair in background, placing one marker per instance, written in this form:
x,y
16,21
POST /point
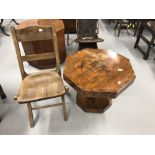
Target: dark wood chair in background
x,y
127,24
70,27
87,33
44,84
150,27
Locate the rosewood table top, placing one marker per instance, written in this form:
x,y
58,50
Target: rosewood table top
x,y
98,73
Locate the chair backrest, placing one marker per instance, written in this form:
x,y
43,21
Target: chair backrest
x,y
87,28
35,33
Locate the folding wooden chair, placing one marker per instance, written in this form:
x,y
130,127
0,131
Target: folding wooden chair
x,y
44,84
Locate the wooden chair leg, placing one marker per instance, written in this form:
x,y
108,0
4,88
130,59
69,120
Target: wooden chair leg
x,y
116,24
149,48
119,29
139,33
30,115
67,39
67,89
64,107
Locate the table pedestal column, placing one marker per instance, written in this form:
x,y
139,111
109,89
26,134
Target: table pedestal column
x,y
90,104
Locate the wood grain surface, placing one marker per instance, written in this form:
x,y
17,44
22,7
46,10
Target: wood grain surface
x,y
98,75
98,72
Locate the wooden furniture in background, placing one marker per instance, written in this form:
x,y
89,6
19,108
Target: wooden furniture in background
x,y
70,27
150,27
36,47
13,20
44,84
3,28
98,75
127,24
87,33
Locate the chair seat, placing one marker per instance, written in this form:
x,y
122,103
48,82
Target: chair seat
x,y
39,86
86,40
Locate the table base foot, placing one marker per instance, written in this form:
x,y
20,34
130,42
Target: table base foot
x,y
96,105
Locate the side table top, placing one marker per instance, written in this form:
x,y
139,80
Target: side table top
x,y
98,72
59,25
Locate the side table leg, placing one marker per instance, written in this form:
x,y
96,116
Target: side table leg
x,y
96,105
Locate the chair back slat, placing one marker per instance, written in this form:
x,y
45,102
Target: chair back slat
x,y
34,57
87,27
35,33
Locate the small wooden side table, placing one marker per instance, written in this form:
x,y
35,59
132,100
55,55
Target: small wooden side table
x,y
98,75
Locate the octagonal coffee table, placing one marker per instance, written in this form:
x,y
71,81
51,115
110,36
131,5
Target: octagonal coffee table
x,y
98,75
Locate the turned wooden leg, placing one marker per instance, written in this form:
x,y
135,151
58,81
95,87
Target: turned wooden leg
x,y
90,104
30,115
64,107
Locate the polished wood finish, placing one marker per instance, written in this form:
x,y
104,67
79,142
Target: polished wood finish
x,y
37,47
44,84
98,75
91,104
